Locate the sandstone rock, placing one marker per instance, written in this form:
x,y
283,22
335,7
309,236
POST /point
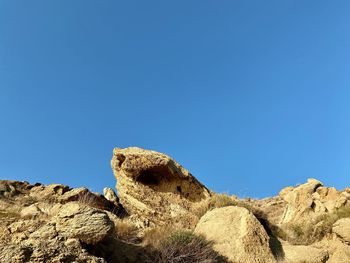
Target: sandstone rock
x,y
338,251
342,229
85,223
236,234
50,192
30,211
46,232
149,182
110,195
302,254
83,195
10,188
76,194
341,254
15,254
308,201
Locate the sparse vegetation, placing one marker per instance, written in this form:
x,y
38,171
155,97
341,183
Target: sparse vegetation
x,y
182,246
154,236
223,200
7,214
309,233
126,231
88,199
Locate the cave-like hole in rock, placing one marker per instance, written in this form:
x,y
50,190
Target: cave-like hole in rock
x,y
178,188
154,176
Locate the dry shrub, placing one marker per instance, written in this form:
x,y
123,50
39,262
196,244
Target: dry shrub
x,y
182,246
215,201
126,231
88,199
222,200
152,237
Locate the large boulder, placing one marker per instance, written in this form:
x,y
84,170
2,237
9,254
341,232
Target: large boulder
x,y
308,201
342,229
303,254
338,250
154,188
88,224
236,234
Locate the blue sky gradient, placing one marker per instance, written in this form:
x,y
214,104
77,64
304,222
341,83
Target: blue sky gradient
x,y
250,96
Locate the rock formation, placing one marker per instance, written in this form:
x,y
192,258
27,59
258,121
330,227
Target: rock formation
x,y
40,224
299,254
311,200
342,229
236,234
155,188
156,195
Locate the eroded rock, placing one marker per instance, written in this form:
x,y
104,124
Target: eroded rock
x,y
302,254
308,201
150,183
85,223
236,234
342,229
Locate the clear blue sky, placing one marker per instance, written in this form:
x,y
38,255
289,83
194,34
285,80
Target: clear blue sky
x,y
250,96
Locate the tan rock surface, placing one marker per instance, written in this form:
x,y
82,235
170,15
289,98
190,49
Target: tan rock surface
x,y
110,195
85,223
339,252
236,234
342,229
308,201
304,254
36,227
155,187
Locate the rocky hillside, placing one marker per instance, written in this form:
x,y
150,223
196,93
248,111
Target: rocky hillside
x,y
164,214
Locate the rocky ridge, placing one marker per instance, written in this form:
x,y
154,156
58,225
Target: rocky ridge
x,y
157,197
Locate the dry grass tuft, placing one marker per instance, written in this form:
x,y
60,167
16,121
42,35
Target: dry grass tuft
x,y
6,214
152,237
88,199
126,231
223,200
180,246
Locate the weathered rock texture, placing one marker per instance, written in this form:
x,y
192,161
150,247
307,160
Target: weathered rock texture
x,y
301,254
52,223
55,223
85,223
154,187
308,201
342,229
236,234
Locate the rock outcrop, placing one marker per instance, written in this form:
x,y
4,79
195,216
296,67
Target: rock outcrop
x,y
85,223
157,197
236,234
342,229
155,188
52,223
301,254
308,201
